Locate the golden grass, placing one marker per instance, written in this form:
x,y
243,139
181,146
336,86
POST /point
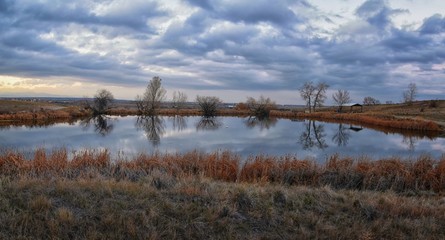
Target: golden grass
x,y
421,174
198,208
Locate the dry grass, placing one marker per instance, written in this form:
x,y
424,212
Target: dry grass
x,y
97,208
420,175
88,195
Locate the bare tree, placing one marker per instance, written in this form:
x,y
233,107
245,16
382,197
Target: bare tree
x,y
101,102
154,94
261,107
341,97
179,99
307,92
410,94
320,94
209,105
370,101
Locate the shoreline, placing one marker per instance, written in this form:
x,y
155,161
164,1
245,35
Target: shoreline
x,y
367,120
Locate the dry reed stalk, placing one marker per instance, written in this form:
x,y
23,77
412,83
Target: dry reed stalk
x,y
422,174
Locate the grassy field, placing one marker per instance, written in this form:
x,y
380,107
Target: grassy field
x,y
87,195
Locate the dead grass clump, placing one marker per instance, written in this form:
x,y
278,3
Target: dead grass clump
x,y
90,159
200,208
423,174
340,173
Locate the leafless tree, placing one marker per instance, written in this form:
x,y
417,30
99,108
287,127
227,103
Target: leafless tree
x,y
154,94
179,99
261,107
101,102
320,95
341,97
370,101
307,93
314,95
209,105
410,94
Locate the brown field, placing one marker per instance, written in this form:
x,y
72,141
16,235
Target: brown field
x,y
88,195
421,115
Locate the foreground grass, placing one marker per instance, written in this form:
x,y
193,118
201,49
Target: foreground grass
x,y
160,206
88,195
395,174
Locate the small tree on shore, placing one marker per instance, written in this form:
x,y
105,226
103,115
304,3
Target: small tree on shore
x,y
307,92
154,94
101,102
261,107
320,95
410,94
209,105
314,95
179,99
368,101
341,97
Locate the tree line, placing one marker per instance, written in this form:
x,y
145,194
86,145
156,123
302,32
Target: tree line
x,y
314,95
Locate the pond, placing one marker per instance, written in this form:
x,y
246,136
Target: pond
x,y
128,136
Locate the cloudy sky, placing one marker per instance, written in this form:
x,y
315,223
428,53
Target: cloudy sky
x,y
226,48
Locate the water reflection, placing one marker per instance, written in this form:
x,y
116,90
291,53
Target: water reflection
x,y
342,136
102,124
410,142
313,135
179,123
262,123
211,123
183,134
153,126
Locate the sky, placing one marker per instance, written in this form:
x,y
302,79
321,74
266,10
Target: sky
x,y
232,49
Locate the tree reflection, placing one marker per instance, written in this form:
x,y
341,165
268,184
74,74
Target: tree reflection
x,y
101,123
208,123
313,136
153,126
262,123
410,141
342,136
179,123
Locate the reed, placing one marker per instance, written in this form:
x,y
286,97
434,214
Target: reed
x,y
400,175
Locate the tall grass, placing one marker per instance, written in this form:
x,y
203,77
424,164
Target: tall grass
x,y
401,175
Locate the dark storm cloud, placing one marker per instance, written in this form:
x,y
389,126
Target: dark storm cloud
x,y
28,54
433,25
220,45
377,13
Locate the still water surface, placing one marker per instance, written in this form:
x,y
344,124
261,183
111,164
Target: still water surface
x,y
128,136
